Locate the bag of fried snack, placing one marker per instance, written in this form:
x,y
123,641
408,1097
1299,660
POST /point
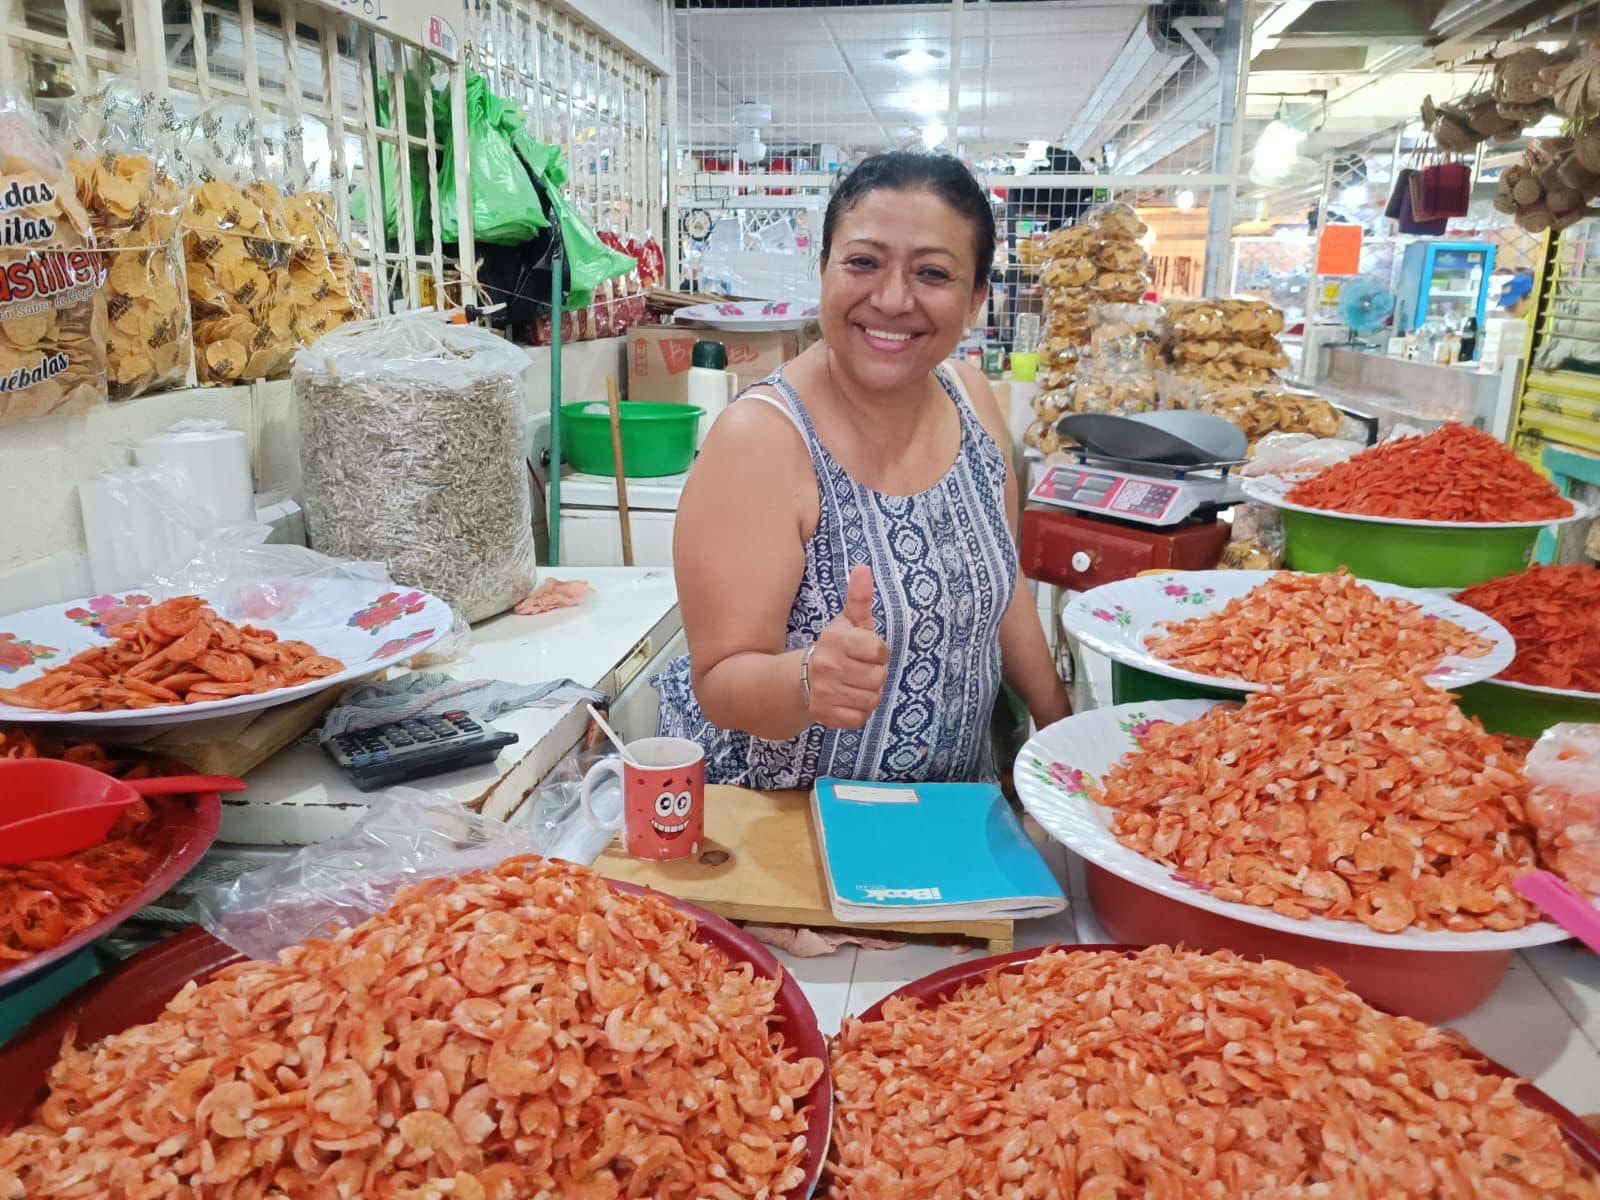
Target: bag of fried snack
x,y
124,173
52,312
237,250
322,276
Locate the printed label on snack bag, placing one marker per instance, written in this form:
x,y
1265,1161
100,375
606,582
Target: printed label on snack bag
x,y
46,368
53,278
17,229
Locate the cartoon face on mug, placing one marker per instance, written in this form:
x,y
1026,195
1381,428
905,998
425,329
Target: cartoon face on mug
x,y
671,816
665,811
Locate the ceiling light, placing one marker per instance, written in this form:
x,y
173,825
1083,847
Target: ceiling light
x,y
1276,149
1354,196
1184,199
915,58
751,149
934,135
925,99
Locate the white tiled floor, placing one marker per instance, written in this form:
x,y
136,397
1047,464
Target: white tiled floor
x,y
1544,1022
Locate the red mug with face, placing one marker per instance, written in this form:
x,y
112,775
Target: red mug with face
x,y
663,797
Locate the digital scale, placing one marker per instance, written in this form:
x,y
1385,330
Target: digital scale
x,y
1148,493
1144,494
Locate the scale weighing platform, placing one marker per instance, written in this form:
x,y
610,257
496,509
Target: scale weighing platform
x,y
1153,506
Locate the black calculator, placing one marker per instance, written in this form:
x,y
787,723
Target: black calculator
x,y
411,749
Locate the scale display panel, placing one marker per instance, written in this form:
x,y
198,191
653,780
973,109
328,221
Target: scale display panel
x,y
1131,497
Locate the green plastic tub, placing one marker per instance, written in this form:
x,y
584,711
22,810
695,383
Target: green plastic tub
x,y
1421,556
1525,711
657,438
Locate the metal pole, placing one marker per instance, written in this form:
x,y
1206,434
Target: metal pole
x,y
952,116
1232,73
557,294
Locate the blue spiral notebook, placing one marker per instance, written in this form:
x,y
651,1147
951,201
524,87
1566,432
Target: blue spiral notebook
x,y
927,851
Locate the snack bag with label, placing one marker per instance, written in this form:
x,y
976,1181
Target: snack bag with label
x,y
52,311
237,251
125,181
322,275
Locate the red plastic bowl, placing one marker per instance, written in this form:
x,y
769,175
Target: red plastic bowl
x,y
1432,986
941,985
189,830
139,989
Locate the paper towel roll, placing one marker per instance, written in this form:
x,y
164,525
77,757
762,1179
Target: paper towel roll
x,y
208,468
126,532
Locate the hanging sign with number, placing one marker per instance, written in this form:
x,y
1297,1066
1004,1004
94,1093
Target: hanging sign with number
x,y
416,22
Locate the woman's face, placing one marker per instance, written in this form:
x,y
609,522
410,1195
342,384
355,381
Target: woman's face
x,y
897,289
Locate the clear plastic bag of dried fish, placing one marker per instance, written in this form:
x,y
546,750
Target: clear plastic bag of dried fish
x,y
236,249
413,456
52,311
121,161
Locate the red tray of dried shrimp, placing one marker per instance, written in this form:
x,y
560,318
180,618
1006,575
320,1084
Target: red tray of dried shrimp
x,y
138,990
857,1045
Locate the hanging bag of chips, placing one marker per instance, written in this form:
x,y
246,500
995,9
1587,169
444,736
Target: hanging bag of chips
x,y
237,250
124,174
52,312
322,275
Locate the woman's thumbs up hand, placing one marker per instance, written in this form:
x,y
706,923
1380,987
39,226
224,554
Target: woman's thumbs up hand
x,y
849,662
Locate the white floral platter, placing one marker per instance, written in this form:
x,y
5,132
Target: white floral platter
x,y
1060,770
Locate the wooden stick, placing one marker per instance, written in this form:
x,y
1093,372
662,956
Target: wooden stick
x,y
622,480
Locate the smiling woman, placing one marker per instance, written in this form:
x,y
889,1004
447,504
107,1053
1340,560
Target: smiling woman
x,y
845,549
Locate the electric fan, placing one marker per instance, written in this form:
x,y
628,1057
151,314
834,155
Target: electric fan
x,y
1364,305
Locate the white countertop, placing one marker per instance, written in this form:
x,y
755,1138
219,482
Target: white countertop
x,y
299,796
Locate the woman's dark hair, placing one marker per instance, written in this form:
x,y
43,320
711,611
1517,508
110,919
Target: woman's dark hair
x,y
909,170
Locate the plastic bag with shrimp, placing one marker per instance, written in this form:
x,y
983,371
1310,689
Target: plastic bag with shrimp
x,y
1564,768
407,836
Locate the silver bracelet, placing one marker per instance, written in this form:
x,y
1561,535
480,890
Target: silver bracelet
x,y
805,674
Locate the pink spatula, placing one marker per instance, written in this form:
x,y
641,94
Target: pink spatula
x,y
1563,904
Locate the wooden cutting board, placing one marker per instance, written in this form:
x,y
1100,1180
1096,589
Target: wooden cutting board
x,y
759,862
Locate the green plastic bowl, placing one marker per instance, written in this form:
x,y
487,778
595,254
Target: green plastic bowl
x,y
1421,556
1526,712
657,438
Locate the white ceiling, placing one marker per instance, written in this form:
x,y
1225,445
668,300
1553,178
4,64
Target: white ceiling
x,y
1025,69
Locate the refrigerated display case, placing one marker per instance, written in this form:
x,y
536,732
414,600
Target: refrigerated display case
x,y
1443,279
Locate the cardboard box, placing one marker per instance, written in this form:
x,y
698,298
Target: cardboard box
x,y
659,357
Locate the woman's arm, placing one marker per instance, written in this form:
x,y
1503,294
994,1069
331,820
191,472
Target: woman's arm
x,y
1025,661
739,554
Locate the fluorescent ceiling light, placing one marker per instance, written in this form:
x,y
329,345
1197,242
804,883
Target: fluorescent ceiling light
x,y
915,58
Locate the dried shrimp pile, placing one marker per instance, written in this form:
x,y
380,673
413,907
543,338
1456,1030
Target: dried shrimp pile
x,y
1554,613
1359,796
1093,1075
517,1033
47,901
175,652
1452,474
1294,623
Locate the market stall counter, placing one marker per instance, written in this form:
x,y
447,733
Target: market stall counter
x,y
614,641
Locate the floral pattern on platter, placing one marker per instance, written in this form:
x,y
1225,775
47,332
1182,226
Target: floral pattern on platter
x,y
1138,726
1115,615
401,645
386,610
16,653
100,613
1185,595
1080,785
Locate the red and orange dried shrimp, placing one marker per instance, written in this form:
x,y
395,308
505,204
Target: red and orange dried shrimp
x,y
45,902
1093,1075
1296,623
1452,474
510,1034
1554,614
175,652
1362,796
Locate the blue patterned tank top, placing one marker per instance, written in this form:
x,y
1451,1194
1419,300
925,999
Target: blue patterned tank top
x,y
944,567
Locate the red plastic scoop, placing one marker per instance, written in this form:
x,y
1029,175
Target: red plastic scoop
x,y
49,808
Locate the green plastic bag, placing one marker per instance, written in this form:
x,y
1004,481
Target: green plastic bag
x,y
505,206
418,93
589,260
